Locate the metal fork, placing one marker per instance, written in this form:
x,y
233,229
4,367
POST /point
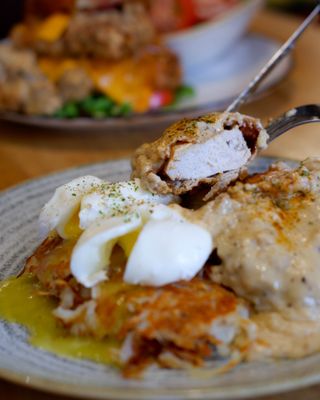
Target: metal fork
x,y
295,117
273,62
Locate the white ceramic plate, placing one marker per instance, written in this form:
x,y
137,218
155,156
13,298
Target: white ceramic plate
x,y
24,364
209,40
216,83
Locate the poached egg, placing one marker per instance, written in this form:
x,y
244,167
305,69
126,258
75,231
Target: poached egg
x,y
161,244
169,248
62,209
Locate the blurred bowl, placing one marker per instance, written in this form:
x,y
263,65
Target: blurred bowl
x,y
207,41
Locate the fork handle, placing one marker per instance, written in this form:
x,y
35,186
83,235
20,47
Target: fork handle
x,y
295,117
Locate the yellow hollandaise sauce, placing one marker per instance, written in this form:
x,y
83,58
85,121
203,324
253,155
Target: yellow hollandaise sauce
x,y
22,302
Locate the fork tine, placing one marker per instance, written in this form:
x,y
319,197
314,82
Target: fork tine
x,y
295,117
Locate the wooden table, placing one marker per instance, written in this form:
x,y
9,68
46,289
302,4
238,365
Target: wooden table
x,y
28,153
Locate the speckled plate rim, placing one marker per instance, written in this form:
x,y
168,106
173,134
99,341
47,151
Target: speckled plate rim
x,y
93,392
33,381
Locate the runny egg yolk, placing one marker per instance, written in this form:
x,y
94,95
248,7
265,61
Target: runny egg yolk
x,y
128,241
71,229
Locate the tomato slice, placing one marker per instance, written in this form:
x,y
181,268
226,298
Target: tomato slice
x,y
187,13
161,98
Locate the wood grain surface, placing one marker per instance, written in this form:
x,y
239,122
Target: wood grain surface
x,y
28,152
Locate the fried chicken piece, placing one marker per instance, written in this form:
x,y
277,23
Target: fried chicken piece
x,y
266,233
13,94
43,98
74,84
23,88
110,35
158,66
167,72
17,64
210,150
29,97
265,229
24,36
54,49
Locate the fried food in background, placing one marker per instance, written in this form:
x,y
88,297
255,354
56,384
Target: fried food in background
x,y
173,15
23,87
111,34
101,60
74,84
137,80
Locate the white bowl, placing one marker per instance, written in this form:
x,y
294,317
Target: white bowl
x,y
209,40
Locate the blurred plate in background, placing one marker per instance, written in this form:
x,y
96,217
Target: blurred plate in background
x,y
210,40
216,83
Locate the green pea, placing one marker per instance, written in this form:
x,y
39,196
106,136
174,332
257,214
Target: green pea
x,y
68,110
184,92
120,110
97,106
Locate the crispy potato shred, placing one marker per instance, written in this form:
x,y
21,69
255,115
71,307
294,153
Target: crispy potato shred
x,y
173,326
